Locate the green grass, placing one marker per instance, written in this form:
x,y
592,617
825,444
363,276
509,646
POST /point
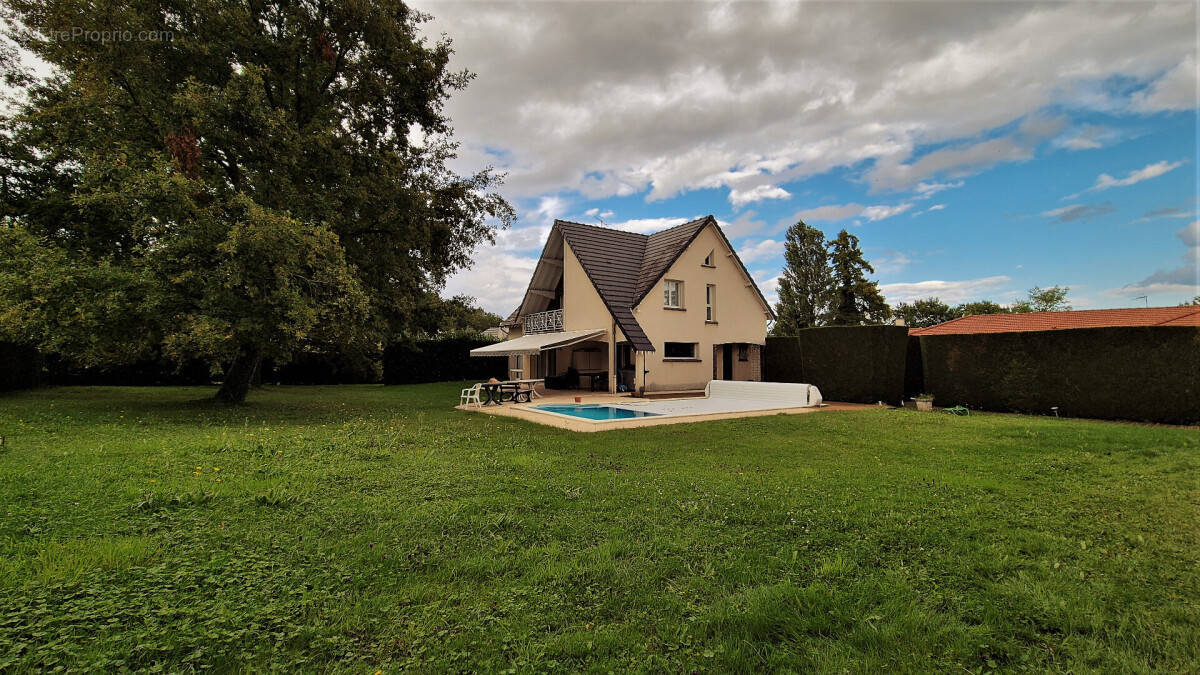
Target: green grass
x,y
364,528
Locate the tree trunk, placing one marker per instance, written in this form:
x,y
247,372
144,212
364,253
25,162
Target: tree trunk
x,y
240,375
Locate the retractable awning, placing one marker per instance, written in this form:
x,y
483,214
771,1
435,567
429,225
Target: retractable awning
x,y
532,344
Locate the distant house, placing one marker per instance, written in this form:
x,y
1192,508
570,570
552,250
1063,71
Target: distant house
x,y
662,312
1088,318
496,332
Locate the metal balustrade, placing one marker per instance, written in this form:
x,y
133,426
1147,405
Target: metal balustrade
x,y
544,322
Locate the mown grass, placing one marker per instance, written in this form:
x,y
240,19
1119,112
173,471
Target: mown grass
x,y
364,528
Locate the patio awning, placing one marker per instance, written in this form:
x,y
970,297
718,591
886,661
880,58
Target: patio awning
x,y
532,344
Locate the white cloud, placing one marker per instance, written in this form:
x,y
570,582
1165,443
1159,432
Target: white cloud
x,y
575,96
1181,283
829,213
745,224
836,212
1105,181
597,213
1176,90
925,190
935,207
873,213
951,292
764,249
649,225
497,280
758,193
1074,212
550,208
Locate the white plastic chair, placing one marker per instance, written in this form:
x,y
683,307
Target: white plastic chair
x,y
470,395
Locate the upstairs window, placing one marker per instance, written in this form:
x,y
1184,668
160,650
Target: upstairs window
x,y
710,303
708,260
673,294
679,350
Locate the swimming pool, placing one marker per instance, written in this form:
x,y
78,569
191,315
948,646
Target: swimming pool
x,y
595,412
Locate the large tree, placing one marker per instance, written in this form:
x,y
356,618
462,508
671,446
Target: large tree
x,y
981,307
1053,299
926,312
856,299
254,177
806,284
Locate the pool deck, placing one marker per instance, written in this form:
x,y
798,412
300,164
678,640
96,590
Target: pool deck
x,y
522,411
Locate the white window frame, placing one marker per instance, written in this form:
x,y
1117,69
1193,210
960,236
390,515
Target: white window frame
x,y
677,285
695,350
710,303
708,259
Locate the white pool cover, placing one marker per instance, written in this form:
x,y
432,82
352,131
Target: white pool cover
x,y
721,396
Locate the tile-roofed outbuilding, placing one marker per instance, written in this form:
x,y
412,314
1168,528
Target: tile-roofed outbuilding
x,y
1188,315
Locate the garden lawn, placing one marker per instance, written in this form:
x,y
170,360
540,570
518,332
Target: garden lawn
x,y
359,528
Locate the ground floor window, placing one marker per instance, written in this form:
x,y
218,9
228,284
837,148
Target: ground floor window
x,y
518,367
679,350
743,352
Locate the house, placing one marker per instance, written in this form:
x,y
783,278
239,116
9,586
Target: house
x,y
1187,315
667,311
496,332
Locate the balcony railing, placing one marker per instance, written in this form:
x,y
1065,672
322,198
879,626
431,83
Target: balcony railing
x,y
544,322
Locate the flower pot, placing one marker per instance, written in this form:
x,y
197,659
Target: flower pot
x,y
579,399
925,404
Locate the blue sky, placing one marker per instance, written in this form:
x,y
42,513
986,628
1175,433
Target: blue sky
x,y
976,150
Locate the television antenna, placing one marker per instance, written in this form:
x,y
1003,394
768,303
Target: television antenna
x,y
1143,297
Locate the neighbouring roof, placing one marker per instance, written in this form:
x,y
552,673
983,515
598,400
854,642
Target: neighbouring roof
x,y
1088,318
625,266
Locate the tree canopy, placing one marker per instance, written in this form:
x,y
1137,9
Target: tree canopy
x,y
926,312
856,300
273,175
806,284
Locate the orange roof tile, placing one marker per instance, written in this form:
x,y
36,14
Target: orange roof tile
x,y
1088,318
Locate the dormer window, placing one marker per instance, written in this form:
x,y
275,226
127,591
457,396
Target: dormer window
x,y
708,260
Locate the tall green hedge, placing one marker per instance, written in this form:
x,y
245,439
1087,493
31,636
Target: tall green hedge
x,y
861,364
1147,373
440,360
20,367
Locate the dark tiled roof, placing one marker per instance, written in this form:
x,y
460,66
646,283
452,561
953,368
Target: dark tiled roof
x,y
1089,318
662,249
624,266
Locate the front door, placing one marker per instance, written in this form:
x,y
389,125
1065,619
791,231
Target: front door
x,y
727,362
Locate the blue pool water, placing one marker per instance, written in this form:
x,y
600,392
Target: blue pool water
x,y
595,412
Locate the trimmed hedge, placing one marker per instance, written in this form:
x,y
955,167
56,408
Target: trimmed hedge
x,y
860,364
20,367
319,368
1149,374
440,360
147,373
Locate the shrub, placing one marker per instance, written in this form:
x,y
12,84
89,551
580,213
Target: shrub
x,y
443,359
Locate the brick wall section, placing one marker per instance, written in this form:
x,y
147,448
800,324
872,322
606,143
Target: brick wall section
x,y
756,363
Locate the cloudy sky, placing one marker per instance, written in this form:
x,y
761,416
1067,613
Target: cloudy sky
x,y
976,149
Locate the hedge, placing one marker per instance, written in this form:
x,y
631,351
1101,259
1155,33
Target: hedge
x,y
862,364
20,367
1149,374
323,368
440,360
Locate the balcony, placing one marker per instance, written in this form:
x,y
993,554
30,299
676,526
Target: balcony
x,y
543,322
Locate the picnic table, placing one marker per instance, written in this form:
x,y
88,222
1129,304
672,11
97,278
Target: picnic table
x,y
520,391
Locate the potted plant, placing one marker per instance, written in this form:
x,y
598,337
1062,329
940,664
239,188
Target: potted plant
x,y
924,402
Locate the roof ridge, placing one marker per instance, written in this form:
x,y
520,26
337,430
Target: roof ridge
x,y
601,227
